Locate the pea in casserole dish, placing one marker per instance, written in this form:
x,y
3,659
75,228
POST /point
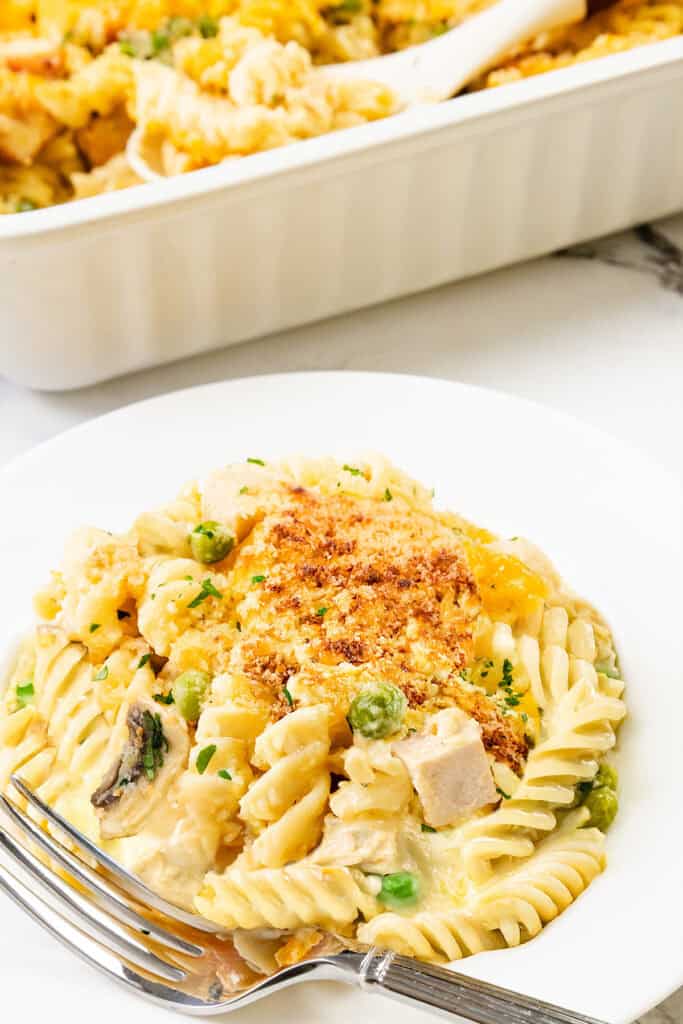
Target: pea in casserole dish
x,y
304,702
216,80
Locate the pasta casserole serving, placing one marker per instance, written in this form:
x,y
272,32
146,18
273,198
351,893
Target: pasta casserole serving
x,y
205,81
303,702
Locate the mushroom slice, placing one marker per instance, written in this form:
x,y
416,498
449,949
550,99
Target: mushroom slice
x,y
154,754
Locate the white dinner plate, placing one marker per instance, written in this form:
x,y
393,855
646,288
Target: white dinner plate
x,y
609,518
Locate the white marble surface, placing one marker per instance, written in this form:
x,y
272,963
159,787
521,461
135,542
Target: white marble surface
x,y
598,333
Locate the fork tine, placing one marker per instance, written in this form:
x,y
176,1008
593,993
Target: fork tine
x,y
129,883
88,949
107,896
93,919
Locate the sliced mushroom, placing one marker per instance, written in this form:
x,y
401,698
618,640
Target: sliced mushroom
x,y
154,754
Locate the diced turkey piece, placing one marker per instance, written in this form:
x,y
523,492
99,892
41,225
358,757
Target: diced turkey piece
x,y
449,768
371,845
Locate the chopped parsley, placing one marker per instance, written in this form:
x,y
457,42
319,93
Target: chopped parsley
x,y
94,626
353,470
127,47
102,674
427,828
258,579
256,462
224,774
525,717
244,490
143,660
25,206
163,698
25,692
121,614
208,27
320,612
287,695
506,681
505,796
155,743
388,496
512,700
206,531
204,756
208,590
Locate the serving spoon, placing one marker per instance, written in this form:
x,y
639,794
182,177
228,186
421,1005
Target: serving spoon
x,y
429,72
436,70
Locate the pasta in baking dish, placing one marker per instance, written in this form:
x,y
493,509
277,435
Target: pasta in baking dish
x,y
303,701
205,81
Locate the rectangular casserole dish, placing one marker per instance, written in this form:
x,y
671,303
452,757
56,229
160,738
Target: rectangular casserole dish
x,y
107,285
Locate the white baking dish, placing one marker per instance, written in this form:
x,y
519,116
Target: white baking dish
x,y
135,278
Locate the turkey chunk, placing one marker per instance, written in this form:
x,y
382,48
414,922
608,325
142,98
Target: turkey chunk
x,y
449,768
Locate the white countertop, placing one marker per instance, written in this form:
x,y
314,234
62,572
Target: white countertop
x,y
597,333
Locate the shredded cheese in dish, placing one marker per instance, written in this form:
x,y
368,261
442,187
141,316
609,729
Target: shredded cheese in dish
x,y
204,81
303,701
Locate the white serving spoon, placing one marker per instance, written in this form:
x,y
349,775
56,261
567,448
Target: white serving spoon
x,y
436,70
430,72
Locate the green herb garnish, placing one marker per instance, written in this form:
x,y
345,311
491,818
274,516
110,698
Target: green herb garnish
x,y
25,692
506,681
25,206
256,462
102,674
320,612
224,774
505,796
258,579
244,490
143,660
427,828
94,626
208,590
155,743
208,27
163,698
388,496
127,47
204,756
352,470
287,695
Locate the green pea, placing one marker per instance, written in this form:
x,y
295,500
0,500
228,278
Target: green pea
x,y
210,542
607,776
189,693
377,711
400,889
603,805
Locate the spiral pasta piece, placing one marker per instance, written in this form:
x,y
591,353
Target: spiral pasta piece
x,y
285,806
441,936
290,897
582,715
530,896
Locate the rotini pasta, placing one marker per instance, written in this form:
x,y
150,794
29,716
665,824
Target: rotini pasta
x,y
301,698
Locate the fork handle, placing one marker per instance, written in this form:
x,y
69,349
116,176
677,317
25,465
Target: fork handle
x,y
448,993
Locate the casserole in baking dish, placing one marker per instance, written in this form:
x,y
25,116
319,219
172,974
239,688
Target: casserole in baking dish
x,y
205,81
146,275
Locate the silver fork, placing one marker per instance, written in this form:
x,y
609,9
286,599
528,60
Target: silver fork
x,y
171,956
